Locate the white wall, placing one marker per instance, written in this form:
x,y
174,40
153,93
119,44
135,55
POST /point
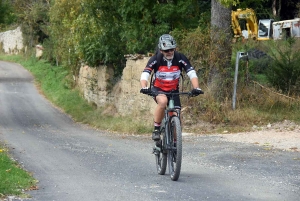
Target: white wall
x,y
12,41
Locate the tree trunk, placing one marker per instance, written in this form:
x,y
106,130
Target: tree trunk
x,y
274,8
221,50
279,8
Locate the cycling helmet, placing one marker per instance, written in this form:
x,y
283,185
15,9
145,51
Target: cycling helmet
x,y
166,42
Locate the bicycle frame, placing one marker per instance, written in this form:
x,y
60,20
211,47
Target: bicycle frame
x,y
167,120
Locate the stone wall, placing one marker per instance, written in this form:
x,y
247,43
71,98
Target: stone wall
x,y
99,86
12,41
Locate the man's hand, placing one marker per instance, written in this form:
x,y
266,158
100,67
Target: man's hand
x,y
196,92
145,90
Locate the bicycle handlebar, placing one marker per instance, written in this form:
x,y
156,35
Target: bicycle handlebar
x,y
172,93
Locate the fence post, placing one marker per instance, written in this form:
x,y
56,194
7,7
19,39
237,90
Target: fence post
x,y
239,55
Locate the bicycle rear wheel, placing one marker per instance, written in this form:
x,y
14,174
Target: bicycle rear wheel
x,y
161,155
175,153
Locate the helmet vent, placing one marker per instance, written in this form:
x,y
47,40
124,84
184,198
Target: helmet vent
x,y
166,41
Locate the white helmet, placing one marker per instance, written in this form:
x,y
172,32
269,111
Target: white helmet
x,y
166,42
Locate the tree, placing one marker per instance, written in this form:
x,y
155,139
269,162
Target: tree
x,y
63,31
221,41
276,8
33,16
284,73
7,15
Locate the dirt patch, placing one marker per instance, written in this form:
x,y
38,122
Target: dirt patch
x,y
284,135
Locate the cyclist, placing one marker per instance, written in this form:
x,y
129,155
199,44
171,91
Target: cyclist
x,y
167,64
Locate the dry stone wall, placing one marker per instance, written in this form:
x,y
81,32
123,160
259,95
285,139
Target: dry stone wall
x,y
12,41
124,96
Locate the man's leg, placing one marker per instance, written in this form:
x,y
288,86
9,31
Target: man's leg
x,y
162,101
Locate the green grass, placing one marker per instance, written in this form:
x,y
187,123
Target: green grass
x,y
14,180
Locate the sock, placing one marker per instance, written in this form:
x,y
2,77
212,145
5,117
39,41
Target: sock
x,y
156,126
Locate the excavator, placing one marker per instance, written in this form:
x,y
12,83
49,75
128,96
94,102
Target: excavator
x,y
261,30
265,29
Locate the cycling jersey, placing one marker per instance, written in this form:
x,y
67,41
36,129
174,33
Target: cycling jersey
x,y
167,73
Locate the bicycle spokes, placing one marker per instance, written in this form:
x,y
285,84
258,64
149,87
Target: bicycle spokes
x,y
160,157
175,153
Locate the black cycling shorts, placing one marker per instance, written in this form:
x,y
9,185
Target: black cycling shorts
x,y
177,102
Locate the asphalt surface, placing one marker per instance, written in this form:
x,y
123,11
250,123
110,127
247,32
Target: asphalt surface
x,y
75,162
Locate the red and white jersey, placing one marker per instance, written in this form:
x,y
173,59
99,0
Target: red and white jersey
x,y
167,73
167,78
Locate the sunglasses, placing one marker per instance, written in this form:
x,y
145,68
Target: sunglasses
x,y
170,50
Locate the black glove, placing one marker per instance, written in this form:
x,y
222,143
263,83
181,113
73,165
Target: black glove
x,y
196,92
145,90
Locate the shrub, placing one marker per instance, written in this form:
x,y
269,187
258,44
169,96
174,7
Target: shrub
x,y
284,73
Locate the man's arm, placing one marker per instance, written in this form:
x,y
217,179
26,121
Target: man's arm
x,y
147,71
144,83
195,82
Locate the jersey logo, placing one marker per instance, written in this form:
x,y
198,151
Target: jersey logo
x,y
153,63
183,62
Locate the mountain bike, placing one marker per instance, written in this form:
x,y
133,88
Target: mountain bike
x,y
169,148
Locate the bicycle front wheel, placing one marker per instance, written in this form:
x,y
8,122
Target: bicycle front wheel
x,y
161,155
175,151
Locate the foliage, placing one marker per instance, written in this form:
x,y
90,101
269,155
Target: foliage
x,y
289,9
284,73
118,28
98,36
228,3
262,8
103,31
62,31
144,21
197,47
33,16
7,15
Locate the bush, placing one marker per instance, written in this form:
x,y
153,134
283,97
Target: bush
x,y
284,73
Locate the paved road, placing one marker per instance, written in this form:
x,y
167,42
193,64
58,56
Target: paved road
x,y
74,162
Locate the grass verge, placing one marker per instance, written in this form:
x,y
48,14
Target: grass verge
x,y
14,180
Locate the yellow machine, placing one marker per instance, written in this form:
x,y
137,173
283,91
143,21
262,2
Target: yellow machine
x,y
251,29
248,15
